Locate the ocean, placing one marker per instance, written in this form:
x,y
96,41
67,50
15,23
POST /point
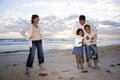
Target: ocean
x,y
17,45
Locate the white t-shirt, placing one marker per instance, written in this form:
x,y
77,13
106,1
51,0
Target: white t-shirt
x,y
88,42
77,40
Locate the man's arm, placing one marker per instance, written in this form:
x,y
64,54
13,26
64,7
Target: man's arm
x,y
93,31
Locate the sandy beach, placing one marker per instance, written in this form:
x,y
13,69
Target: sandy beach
x,y
60,65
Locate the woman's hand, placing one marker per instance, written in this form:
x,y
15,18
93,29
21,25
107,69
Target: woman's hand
x,y
30,38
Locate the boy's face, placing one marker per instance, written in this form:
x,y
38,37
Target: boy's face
x,y
82,22
87,29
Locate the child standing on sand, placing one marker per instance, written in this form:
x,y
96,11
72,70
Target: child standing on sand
x,y
78,48
91,48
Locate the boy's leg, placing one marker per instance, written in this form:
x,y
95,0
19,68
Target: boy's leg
x,y
88,53
95,53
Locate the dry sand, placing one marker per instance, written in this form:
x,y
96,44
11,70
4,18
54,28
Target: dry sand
x,y
60,65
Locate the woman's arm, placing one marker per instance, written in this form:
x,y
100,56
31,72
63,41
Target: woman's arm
x,y
23,32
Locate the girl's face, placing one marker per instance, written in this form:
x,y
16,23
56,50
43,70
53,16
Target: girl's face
x,y
87,29
80,33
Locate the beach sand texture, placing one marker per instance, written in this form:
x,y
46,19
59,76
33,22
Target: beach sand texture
x,y
60,65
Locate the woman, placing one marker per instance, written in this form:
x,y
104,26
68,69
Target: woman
x,y
34,35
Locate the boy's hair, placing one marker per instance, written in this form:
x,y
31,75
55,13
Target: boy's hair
x,y
78,30
82,17
87,26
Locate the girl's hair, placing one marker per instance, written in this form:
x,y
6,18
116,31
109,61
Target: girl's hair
x,y
87,26
33,17
78,30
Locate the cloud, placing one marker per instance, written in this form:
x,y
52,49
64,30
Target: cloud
x,y
59,16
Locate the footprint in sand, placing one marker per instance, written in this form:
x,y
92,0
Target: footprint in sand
x,y
66,71
84,71
72,78
11,65
60,77
54,73
108,71
118,64
43,74
113,65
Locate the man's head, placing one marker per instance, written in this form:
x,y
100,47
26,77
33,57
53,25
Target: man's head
x,y
82,19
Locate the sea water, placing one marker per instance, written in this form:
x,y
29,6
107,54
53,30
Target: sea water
x,y
13,45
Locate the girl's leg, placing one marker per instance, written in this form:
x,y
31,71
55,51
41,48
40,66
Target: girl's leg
x,y
77,60
81,61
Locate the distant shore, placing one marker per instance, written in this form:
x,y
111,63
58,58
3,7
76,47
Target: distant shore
x,y
60,65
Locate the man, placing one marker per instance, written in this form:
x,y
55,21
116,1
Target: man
x,y
82,22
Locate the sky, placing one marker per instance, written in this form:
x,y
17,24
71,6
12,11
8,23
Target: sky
x,y
105,12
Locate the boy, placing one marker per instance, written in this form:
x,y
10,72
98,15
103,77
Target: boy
x,y
91,46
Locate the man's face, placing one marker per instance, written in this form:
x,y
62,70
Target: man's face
x,y
82,22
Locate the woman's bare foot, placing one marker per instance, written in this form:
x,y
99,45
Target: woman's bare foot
x,y
42,68
27,71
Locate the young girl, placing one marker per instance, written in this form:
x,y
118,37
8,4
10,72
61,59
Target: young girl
x,y
78,48
90,42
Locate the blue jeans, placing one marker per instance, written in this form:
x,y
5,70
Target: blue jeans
x,y
35,44
91,51
88,53
94,50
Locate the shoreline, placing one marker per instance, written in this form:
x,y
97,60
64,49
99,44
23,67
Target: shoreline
x,y
15,51
61,65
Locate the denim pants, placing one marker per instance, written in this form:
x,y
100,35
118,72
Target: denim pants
x,y
94,50
88,53
35,44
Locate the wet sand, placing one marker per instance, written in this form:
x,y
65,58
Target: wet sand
x,y
60,65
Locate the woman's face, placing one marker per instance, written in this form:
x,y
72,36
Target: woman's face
x,y
36,20
80,33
